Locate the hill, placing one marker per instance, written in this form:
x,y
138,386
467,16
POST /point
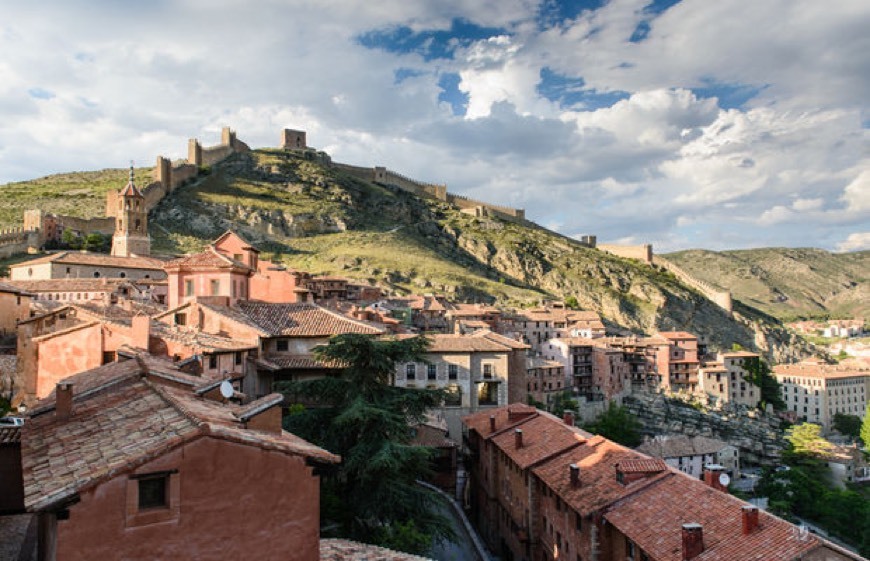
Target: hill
x,y
787,283
317,218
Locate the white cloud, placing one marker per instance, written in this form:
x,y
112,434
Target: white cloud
x,y
662,165
857,241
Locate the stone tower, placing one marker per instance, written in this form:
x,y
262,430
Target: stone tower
x,y
131,223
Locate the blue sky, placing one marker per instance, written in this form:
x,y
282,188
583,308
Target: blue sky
x,y
682,123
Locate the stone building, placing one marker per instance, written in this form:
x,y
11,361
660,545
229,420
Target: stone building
x,y
131,223
100,489
691,455
481,370
726,380
14,307
543,490
74,264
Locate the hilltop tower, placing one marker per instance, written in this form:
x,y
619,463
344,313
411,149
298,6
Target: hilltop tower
x,y
131,223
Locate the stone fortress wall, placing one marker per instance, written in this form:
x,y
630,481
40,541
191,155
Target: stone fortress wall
x,y
167,177
721,298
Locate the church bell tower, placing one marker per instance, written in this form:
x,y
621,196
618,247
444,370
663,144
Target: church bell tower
x,y
131,223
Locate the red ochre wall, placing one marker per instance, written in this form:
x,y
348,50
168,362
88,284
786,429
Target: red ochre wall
x,y
235,502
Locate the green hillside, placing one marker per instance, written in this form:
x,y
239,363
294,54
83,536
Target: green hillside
x,y
787,283
317,218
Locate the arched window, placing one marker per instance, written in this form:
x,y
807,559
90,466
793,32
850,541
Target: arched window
x,y
138,225
96,274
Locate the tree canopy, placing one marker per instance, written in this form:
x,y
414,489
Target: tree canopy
x,y
363,417
616,423
847,425
807,439
865,427
760,375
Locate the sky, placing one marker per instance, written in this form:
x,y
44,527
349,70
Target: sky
x,y
722,124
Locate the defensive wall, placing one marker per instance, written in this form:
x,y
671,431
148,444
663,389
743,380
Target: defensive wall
x,y
168,176
436,191
721,298
640,252
16,240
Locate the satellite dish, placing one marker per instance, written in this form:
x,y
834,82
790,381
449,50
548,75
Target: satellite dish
x,y
227,389
724,480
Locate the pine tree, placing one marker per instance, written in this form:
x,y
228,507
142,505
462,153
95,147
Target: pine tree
x,y
363,417
865,428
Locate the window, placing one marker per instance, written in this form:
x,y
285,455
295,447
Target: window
x,y
411,371
487,371
215,287
212,362
188,288
452,371
180,319
96,274
578,521
238,358
431,371
153,491
282,345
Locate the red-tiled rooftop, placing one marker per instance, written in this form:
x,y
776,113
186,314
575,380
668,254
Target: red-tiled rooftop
x,y
124,422
677,335
346,550
94,259
654,516
208,259
598,487
281,361
504,417
302,320
543,437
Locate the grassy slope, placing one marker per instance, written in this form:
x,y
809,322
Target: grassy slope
x,y
318,219
788,282
81,194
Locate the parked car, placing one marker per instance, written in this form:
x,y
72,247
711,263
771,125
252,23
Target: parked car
x,y
11,421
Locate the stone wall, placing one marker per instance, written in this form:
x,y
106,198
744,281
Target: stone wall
x,y
758,436
641,252
17,240
721,298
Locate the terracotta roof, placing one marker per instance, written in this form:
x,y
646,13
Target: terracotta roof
x,y
229,233
501,339
208,259
232,314
575,341
434,437
282,361
10,435
676,335
13,287
464,344
95,259
302,320
653,518
124,424
679,445
538,362
198,340
67,285
543,437
504,417
597,460
346,550
130,190
814,370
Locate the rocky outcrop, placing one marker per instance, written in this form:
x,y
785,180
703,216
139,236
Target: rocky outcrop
x,y
758,436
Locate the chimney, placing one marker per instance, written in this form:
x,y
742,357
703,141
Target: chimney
x,y
63,403
575,475
693,540
518,437
141,332
712,477
492,423
750,519
568,417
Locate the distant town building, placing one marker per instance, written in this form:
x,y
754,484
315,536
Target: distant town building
x,y
692,454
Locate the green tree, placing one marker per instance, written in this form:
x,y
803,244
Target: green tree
x,y
617,424
865,427
848,425
572,303
561,402
97,242
71,239
806,439
761,376
363,417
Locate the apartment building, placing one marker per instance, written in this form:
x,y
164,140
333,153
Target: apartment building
x,y
726,380
816,392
